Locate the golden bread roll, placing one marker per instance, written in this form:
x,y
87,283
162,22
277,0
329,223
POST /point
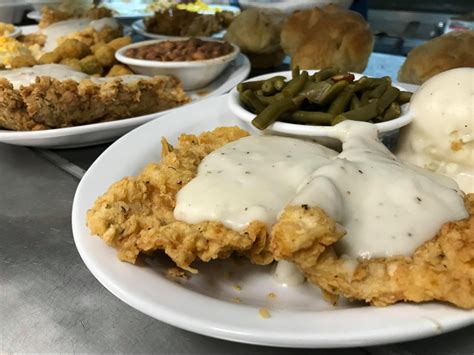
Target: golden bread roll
x,y
328,36
257,33
452,50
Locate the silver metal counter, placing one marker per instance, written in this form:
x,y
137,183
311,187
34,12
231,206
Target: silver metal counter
x,y
50,302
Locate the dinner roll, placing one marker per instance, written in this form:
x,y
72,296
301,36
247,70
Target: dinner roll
x,y
257,33
328,36
452,50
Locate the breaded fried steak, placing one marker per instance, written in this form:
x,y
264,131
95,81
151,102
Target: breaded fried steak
x,y
50,102
195,205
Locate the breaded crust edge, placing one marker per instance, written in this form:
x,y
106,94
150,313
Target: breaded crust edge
x,y
50,103
440,269
135,215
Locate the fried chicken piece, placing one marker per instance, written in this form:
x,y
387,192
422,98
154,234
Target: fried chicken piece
x,y
23,61
105,55
119,69
91,65
120,42
66,103
440,269
135,215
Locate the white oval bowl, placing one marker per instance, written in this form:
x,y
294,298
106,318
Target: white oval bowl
x,y
300,130
193,74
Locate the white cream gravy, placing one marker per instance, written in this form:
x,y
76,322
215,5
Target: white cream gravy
x,y
386,207
250,179
27,75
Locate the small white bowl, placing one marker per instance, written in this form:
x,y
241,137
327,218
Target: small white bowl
x,y
193,74
300,130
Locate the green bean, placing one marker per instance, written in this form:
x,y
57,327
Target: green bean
x,y
355,102
310,117
295,72
327,93
404,97
379,90
324,74
362,84
295,85
389,96
267,100
364,98
393,111
341,101
251,100
269,86
272,112
252,85
279,83
363,113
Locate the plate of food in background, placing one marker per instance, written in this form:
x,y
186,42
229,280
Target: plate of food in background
x,y
388,245
185,20
63,86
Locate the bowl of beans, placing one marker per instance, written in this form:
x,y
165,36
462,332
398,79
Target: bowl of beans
x,y
196,62
311,103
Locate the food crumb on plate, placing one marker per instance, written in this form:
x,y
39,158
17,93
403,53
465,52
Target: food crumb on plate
x,y
237,287
264,313
236,299
174,273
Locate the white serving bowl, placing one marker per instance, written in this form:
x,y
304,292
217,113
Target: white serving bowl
x,y
289,6
319,133
193,74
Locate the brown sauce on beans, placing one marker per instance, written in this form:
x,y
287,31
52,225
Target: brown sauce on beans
x,y
177,51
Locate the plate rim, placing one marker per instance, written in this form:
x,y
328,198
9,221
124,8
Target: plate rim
x,y
420,327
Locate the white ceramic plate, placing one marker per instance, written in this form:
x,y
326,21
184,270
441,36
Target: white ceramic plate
x,y
307,130
203,304
97,133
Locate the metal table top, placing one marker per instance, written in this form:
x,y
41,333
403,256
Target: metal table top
x,y
50,302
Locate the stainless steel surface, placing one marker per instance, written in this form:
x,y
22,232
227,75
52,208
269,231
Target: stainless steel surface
x,y
50,302
398,32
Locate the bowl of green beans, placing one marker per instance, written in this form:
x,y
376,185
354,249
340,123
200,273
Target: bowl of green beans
x,y
311,103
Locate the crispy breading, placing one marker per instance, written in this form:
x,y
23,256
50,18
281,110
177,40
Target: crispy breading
x,y
13,112
440,269
50,16
135,215
50,103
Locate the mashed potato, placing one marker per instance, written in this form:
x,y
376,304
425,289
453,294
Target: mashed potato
x,y
441,136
